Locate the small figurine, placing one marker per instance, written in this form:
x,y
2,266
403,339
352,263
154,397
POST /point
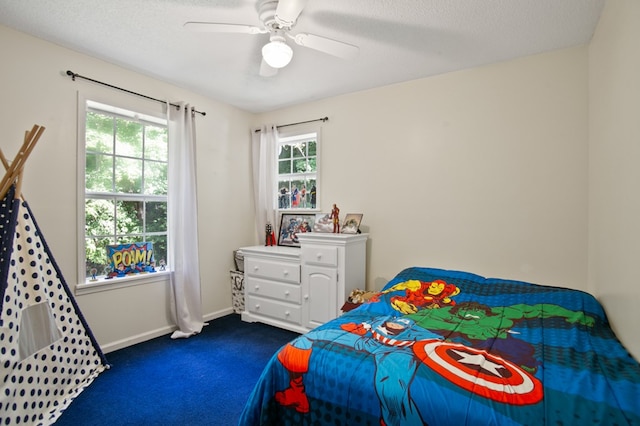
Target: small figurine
x,y
270,239
107,272
94,271
162,264
335,216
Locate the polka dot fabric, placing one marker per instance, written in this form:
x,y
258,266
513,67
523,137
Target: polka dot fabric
x,y
35,390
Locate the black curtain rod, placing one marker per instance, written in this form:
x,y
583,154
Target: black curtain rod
x,y
323,119
73,76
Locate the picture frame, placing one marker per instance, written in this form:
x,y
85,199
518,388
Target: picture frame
x,y
351,223
291,224
323,223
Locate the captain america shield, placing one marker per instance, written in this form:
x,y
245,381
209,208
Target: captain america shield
x,y
480,372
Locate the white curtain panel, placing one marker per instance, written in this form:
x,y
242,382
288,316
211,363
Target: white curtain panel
x,y
183,223
264,180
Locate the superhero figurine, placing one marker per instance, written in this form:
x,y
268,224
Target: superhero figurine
x,y
270,239
335,217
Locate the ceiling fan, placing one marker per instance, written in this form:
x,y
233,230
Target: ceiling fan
x,y
278,18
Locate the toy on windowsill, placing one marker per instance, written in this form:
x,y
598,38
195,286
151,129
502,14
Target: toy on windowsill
x,y
270,239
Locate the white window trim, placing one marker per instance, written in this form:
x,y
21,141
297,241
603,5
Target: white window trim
x,y
87,286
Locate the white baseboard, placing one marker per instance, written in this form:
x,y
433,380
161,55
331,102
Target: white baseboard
x,y
218,314
143,337
139,338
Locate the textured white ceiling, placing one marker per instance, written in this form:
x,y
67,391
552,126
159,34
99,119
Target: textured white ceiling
x,y
399,40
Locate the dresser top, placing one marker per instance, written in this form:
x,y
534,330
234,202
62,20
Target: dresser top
x,y
330,238
277,251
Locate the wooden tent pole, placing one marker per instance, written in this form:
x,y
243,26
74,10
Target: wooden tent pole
x,y
21,172
14,170
4,160
5,163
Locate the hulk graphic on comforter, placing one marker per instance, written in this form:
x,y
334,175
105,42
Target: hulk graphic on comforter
x,y
482,327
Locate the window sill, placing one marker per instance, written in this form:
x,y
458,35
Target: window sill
x,y
300,210
103,284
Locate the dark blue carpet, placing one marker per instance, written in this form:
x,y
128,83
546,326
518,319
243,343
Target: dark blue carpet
x,y
203,380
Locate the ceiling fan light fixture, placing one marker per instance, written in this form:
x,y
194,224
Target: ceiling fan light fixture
x,y
277,54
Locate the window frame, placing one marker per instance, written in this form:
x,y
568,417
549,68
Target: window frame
x,y
291,134
128,110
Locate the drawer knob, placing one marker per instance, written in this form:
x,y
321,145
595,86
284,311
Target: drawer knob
x,y
286,293
287,313
257,287
286,272
319,256
257,306
306,296
255,268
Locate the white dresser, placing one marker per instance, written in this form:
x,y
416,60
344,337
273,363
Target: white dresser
x,y
300,288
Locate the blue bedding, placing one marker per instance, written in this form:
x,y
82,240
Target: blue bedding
x,y
444,347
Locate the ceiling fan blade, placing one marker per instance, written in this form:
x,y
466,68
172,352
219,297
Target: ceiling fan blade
x,y
214,27
326,45
266,70
288,11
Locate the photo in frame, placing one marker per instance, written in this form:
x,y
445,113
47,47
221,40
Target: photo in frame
x,y
291,224
323,223
351,223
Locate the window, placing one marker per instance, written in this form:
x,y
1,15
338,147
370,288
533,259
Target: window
x,y
297,171
125,174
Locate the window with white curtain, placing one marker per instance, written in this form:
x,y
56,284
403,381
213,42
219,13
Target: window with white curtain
x,y
125,185
297,171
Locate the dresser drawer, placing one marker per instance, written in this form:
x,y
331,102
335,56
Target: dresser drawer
x,y
275,290
281,271
320,255
274,309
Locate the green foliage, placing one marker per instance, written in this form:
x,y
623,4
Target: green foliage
x,y
96,253
156,216
98,172
99,217
129,216
156,178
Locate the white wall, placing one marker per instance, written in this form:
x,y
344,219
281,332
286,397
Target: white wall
x,y
614,170
35,90
482,170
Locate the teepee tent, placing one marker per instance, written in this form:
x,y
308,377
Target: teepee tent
x,y
48,354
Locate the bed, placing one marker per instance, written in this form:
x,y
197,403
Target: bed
x,y
445,347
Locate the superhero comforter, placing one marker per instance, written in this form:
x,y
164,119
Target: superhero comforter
x,y
452,348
